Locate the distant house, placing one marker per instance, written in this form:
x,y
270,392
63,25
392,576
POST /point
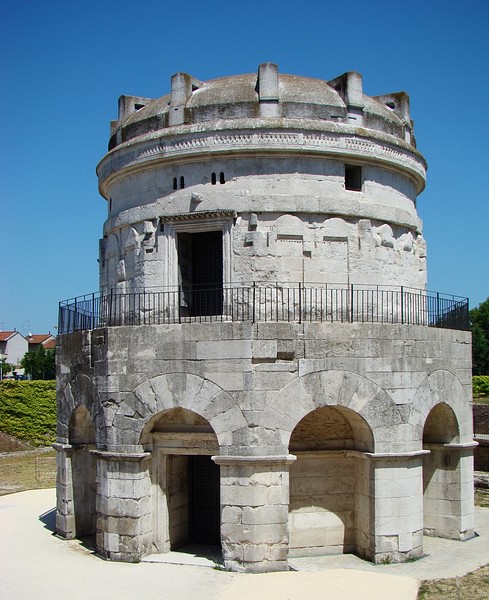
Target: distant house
x,y
13,346
46,340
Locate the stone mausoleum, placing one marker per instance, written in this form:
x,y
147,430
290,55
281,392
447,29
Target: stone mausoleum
x,y
263,369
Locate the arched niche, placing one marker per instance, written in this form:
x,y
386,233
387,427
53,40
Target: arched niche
x,y
81,434
441,473
329,502
185,480
441,426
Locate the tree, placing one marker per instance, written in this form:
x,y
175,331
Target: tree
x,y
40,364
479,319
5,368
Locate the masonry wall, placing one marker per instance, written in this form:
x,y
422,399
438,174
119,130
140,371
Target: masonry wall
x,y
253,383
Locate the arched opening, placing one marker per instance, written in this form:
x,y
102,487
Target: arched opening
x,y
441,473
329,504
83,466
185,480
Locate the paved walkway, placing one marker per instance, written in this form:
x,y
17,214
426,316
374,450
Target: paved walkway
x,y
36,564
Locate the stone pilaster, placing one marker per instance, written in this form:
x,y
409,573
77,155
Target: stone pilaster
x,y
65,508
398,506
449,491
255,506
124,522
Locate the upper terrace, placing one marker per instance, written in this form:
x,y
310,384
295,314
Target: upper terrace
x,y
261,302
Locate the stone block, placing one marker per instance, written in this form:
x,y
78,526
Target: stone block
x,y
231,514
223,349
264,350
263,515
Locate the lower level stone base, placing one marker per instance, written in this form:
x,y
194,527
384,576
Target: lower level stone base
x,y
264,566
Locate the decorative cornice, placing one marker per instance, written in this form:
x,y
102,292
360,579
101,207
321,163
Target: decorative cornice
x,y
335,144
199,215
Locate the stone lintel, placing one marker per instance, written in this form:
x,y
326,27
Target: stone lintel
x,y
254,460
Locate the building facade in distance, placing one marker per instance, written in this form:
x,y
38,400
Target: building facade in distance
x,y
263,368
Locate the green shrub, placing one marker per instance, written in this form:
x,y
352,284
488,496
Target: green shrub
x,y
28,410
480,386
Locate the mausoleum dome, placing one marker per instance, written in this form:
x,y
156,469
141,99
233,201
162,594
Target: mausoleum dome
x,y
240,97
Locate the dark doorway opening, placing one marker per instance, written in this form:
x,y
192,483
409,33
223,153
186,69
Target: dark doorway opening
x,y
200,266
204,500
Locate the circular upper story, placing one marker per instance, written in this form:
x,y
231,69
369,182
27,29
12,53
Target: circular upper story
x,y
268,115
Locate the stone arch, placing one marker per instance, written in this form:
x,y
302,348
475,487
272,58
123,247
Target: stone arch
x,y
182,390
330,496
77,393
340,389
442,387
331,428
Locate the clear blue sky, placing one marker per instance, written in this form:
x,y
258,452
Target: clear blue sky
x,y
64,65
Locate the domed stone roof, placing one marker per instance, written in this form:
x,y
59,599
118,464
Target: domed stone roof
x,y
266,95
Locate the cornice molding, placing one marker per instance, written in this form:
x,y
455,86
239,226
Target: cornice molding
x,y
338,145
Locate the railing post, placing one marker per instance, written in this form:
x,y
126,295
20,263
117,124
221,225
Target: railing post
x,y
437,323
179,300
111,306
254,297
402,305
276,301
300,303
352,314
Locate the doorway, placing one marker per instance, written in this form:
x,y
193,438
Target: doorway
x,y
204,501
200,273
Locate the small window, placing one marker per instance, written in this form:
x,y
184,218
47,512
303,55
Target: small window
x,y
213,179
182,182
353,178
221,178
175,185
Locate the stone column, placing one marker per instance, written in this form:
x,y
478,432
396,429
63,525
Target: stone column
x,y
449,491
397,488
255,507
65,508
124,522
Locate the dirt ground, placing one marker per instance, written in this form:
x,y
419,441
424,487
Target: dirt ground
x,y
28,470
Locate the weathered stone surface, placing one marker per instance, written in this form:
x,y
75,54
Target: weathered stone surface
x,y
254,174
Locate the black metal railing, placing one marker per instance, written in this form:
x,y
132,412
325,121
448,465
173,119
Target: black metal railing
x,y
261,302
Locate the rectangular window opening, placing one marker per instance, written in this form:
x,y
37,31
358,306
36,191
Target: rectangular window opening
x,y
353,178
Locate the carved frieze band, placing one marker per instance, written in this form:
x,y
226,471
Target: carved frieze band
x,y
315,142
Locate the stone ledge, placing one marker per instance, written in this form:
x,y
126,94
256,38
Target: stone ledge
x,y
132,456
251,460
396,455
